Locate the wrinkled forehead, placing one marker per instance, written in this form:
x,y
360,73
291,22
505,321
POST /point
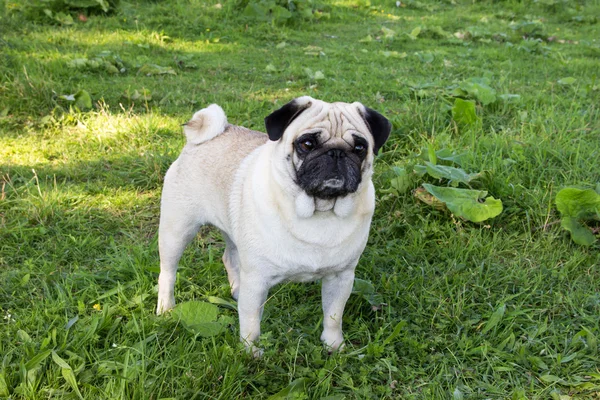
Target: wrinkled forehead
x,y
333,119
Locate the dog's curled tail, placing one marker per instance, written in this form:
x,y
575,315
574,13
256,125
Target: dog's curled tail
x,y
205,124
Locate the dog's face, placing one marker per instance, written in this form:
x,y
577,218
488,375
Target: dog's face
x,y
328,147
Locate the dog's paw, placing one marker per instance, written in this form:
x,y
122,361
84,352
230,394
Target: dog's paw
x,y
333,341
165,305
256,352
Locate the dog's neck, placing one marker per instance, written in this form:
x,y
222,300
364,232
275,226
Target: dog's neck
x,y
306,206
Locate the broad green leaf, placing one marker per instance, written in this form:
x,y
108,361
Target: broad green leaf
x,y
153,69
255,10
111,69
463,112
199,318
142,95
401,182
538,363
578,203
592,341
425,57
551,379
387,33
432,154
3,386
222,302
569,358
296,387
25,280
567,81
443,154
448,155
280,14
71,322
83,100
393,54
457,175
37,359
69,376
367,291
457,394
415,33
78,63
508,344
193,312
82,3
579,233
510,98
495,318
423,195
104,4
395,333
479,88
465,203
23,336
319,75
420,170
59,361
313,51
64,19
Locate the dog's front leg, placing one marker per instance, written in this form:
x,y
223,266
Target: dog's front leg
x,y
252,297
335,291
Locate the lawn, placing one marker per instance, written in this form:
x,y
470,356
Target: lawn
x,y
91,107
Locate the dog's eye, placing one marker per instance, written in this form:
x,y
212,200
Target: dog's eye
x,y
358,147
307,144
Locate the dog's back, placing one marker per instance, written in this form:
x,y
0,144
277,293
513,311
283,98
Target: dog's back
x,y
210,159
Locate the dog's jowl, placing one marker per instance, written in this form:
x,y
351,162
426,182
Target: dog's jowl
x,y
295,204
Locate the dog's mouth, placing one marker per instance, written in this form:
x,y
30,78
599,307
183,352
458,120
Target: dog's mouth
x,y
328,179
331,188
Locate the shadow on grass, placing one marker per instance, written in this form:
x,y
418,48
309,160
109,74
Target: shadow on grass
x,y
130,172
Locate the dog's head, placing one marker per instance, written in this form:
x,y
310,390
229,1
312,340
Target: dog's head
x,y
328,146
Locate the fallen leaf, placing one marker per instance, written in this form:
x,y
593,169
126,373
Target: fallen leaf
x,y
154,69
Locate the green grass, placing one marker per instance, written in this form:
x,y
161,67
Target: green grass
x,y
505,309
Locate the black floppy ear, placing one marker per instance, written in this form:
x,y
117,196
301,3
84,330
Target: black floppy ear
x,y
379,126
277,121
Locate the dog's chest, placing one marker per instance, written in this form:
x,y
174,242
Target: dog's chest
x,y
290,259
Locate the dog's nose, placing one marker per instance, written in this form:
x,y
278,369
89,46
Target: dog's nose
x,y
336,153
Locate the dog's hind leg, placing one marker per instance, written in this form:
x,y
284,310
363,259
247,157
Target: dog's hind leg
x,y
175,232
231,259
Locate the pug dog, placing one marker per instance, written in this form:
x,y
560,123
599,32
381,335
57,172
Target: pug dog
x,y
293,205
